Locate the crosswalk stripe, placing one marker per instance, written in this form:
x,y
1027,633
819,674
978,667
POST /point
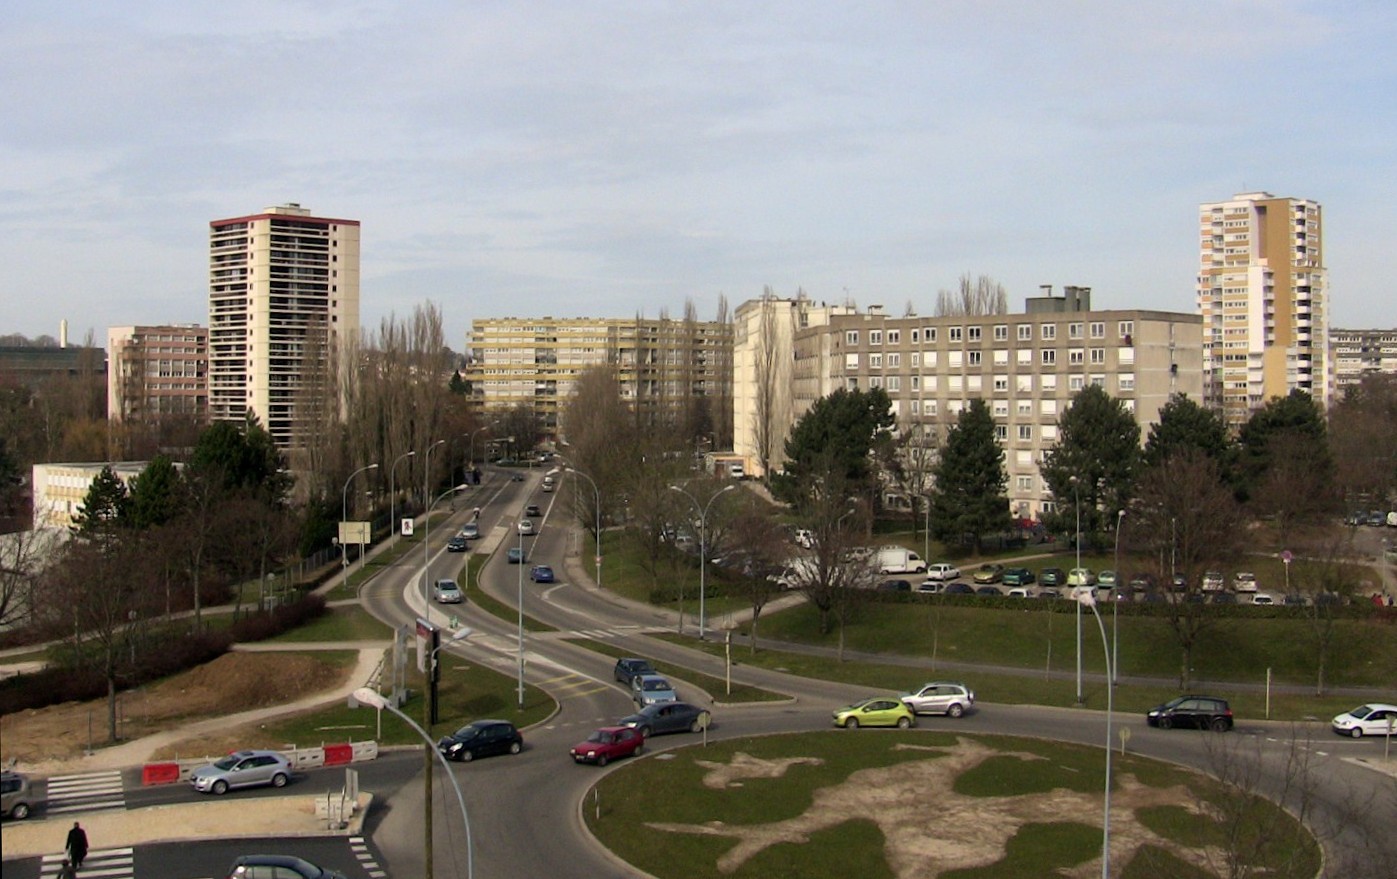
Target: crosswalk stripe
x,y
113,863
91,791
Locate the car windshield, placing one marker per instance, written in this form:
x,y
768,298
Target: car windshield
x,y
601,737
1362,711
1174,703
657,684
227,762
467,732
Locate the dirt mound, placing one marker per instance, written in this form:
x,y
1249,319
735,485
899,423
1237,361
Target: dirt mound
x,y
233,682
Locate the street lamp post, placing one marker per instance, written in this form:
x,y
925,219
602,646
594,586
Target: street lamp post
x,y
1085,595
523,560
427,471
1115,606
473,433
570,469
344,517
1077,508
393,491
374,699
703,548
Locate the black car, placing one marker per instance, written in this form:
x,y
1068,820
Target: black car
x,y
628,667
1196,712
1053,577
896,586
251,866
958,589
668,717
481,738
457,544
533,512
990,591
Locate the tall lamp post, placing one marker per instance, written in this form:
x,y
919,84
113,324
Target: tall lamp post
x,y
1085,595
427,471
344,517
374,699
473,433
523,560
393,491
1115,606
570,469
703,548
1077,508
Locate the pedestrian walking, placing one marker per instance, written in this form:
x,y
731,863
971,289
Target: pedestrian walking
x,y
77,845
66,871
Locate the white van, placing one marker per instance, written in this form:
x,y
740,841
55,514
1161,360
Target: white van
x,y
548,483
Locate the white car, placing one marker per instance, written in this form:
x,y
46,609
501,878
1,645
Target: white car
x,y
447,592
1376,719
1263,598
526,526
1213,581
1245,581
942,572
950,698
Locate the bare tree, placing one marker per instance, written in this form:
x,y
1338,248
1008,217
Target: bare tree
x,y
1296,488
771,355
761,539
1330,588
1187,522
975,296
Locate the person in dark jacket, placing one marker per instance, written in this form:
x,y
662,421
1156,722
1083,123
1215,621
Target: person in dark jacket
x,y
77,845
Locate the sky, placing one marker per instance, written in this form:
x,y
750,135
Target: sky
x,y
579,158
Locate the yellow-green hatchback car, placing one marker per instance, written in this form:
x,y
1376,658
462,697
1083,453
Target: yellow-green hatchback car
x,y
875,711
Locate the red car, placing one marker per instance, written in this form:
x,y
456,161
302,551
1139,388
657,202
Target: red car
x,y
607,744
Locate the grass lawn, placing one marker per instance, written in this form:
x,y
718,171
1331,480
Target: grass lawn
x,y
347,623
466,692
1363,652
469,576
714,686
869,803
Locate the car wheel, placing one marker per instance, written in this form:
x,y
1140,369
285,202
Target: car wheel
x,y
1219,725
904,722
955,710
645,732
220,787
515,747
601,760
1166,722
20,811
279,780
467,755
639,749
851,723
1356,732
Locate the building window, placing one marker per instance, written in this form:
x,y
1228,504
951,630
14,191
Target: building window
x,y
1075,356
1098,355
974,333
916,383
929,407
1074,331
929,360
957,334
851,337
1026,432
916,407
916,359
956,359
1001,432
929,334
875,361
852,383
894,361
1023,356
1001,332
1025,332
1098,330
1001,383
1126,329
875,337
916,336
894,337
1049,357
1048,382
1127,381
975,357
1024,407
851,361
1075,383
1023,483
1001,357
894,383
1047,332
1001,408
1098,381
875,381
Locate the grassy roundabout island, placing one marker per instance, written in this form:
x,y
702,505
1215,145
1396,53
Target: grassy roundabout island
x,y
921,804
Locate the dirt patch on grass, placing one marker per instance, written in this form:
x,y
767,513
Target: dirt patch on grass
x,y
233,682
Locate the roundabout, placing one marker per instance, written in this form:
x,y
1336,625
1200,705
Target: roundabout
x,y
917,805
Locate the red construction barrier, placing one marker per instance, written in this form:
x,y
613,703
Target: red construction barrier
x,y
338,755
160,773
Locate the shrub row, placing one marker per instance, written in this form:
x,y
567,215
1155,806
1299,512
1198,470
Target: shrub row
x,y
77,675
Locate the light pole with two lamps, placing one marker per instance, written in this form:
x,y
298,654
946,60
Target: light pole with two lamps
x,y
393,491
703,550
1115,605
1086,595
473,433
344,518
1077,571
570,469
523,560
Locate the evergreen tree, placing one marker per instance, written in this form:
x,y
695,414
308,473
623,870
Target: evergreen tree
x,y
1098,445
970,499
104,507
1294,416
1184,424
155,494
838,432
458,385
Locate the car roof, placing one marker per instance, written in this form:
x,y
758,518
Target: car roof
x,y
273,861
1376,706
653,677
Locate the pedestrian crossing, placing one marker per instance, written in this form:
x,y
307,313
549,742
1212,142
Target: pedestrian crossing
x,y
360,847
108,863
85,793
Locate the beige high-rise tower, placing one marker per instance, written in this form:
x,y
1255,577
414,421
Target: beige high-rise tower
x,y
1263,294
283,303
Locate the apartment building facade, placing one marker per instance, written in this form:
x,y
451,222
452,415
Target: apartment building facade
x,y
283,309
1354,354
157,371
1027,367
663,365
1263,296
763,401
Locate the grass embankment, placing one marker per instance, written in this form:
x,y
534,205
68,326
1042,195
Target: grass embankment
x,y
715,687
836,804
